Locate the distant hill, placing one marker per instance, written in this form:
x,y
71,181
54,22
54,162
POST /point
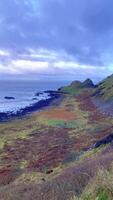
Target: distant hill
x,y
77,87
104,90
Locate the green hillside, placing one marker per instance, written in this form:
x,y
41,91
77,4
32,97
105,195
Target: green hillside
x,y
76,87
104,89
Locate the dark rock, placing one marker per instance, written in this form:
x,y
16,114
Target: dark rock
x,y
76,84
43,179
38,93
59,89
29,109
88,83
104,141
49,171
34,99
52,93
9,98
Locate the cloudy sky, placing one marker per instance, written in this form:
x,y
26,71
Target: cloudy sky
x,y
56,39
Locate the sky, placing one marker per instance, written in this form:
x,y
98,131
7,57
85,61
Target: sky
x,y
56,39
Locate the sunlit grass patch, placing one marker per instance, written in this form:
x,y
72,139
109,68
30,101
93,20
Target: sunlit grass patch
x,y
77,124
23,164
29,177
92,152
10,137
18,129
2,144
38,177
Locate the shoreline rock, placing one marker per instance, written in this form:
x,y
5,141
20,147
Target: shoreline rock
x,y
9,98
38,94
6,116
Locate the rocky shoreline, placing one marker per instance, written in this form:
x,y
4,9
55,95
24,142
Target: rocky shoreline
x,y
6,116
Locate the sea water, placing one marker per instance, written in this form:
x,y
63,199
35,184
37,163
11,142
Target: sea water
x,y
24,93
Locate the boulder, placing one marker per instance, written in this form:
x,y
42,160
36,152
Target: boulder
x,y
9,98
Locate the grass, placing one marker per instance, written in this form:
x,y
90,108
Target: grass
x,y
75,88
71,90
49,148
100,188
106,89
29,177
78,124
11,136
23,164
17,129
92,153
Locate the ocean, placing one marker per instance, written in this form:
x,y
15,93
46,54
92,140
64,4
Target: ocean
x,y
24,92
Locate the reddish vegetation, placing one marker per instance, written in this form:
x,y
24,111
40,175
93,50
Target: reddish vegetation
x,y
60,114
51,158
91,139
48,147
86,104
81,145
102,134
45,149
71,182
6,175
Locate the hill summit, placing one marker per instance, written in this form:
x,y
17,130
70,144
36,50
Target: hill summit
x,y
77,86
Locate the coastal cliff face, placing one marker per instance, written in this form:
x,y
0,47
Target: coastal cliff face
x,y
63,152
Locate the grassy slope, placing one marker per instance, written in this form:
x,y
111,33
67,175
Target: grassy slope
x,y
100,187
104,89
77,87
44,156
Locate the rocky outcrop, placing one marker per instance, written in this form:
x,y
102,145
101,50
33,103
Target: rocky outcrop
x,y
88,83
5,116
77,86
9,98
104,141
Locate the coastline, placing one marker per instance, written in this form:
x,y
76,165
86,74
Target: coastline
x,y
7,116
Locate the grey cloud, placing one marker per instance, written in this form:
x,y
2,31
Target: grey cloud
x,y
82,28
98,16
